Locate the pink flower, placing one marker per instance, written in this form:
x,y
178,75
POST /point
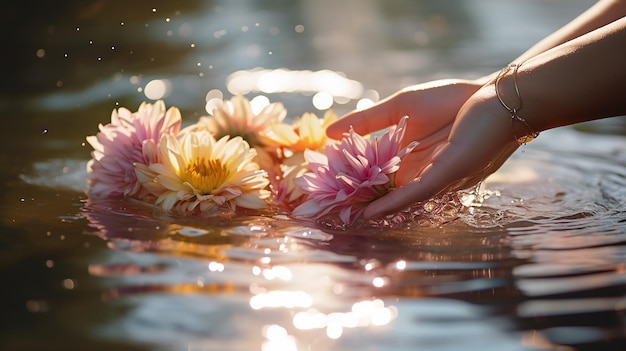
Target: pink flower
x,y
352,174
285,146
119,145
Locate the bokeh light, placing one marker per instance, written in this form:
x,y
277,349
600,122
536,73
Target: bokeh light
x,y
157,89
326,86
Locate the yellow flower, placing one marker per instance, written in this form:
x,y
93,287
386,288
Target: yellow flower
x,y
288,143
201,174
236,118
307,132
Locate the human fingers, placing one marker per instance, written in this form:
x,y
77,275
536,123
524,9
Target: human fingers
x,y
382,115
451,169
415,162
430,105
436,176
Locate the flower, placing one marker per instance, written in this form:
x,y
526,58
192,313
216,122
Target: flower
x,y
353,173
119,145
288,142
201,174
236,118
307,132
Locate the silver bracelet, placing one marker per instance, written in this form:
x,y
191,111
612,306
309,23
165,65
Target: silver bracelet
x,y
530,132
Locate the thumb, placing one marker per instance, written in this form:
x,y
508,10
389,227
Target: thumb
x,y
380,116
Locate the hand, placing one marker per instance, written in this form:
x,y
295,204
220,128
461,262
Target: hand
x,y
432,108
480,140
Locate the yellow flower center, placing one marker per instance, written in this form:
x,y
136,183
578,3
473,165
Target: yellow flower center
x,y
205,175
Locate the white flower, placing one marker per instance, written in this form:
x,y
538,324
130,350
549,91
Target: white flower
x,y
201,174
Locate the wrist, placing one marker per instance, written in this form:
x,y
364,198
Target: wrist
x,y
511,100
483,119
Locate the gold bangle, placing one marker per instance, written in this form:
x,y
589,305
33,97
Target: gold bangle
x,y
531,133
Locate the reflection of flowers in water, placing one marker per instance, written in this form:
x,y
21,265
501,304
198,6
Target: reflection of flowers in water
x,y
200,174
118,146
260,262
351,174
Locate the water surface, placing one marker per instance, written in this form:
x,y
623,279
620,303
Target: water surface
x,y
538,265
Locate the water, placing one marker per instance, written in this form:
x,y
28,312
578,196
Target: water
x,y
539,264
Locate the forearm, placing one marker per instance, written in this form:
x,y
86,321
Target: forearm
x,y
580,80
598,15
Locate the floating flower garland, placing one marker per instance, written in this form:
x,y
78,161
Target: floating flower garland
x,y
237,159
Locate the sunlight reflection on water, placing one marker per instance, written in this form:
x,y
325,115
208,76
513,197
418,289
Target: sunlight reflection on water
x,y
537,264
561,238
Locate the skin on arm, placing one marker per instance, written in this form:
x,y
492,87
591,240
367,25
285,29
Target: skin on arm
x,y
581,80
433,107
600,14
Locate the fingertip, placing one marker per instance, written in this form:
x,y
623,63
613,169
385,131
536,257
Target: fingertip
x,y
377,117
336,129
394,201
372,213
